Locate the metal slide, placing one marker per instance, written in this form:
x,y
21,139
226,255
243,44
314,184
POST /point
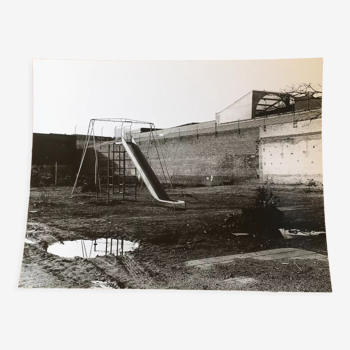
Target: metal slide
x,y
149,177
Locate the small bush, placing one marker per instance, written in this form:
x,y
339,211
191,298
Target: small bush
x,y
41,176
265,198
262,218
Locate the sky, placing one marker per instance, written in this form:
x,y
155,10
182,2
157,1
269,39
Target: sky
x,y
67,94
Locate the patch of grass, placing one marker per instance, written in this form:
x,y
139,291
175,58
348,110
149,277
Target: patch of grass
x,y
44,195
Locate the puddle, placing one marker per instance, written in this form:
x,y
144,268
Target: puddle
x,y
92,248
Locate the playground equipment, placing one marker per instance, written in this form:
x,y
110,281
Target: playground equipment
x,y
119,163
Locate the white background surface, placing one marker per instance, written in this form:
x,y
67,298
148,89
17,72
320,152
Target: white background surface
x,y
91,319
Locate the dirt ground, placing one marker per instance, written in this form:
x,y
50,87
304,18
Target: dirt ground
x,y
169,238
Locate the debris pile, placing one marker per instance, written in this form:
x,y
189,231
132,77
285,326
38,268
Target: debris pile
x,y
293,233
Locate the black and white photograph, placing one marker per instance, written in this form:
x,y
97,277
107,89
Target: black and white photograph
x,y
177,175
174,175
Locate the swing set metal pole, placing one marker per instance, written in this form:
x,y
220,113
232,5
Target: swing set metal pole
x,y
83,156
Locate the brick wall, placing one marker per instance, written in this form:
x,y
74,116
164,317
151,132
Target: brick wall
x,y
208,159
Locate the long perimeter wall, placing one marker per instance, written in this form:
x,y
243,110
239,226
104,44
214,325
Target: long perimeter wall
x,y
284,149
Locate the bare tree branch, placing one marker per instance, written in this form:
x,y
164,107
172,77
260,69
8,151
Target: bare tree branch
x,y
303,90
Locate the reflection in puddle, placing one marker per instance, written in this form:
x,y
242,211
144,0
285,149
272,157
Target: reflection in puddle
x,y
92,248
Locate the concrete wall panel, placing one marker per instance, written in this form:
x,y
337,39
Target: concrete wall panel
x,y
291,154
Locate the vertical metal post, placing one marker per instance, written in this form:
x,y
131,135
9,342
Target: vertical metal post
x,y
106,245
82,248
96,175
122,248
123,173
96,164
96,160
294,122
110,248
113,151
56,174
117,247
101,137
265,117
119,173
109,149
135,184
